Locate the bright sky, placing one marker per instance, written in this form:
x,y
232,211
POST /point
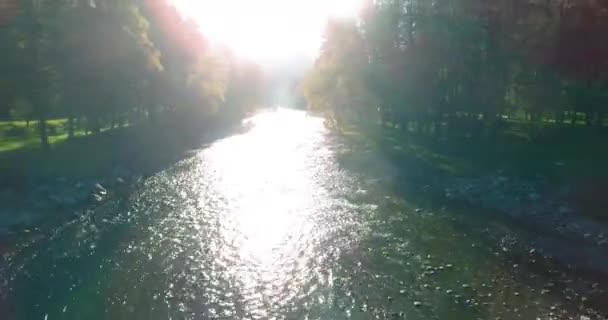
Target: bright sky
x,y
267,30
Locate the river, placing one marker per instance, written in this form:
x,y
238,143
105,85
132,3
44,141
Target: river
x,y
269,224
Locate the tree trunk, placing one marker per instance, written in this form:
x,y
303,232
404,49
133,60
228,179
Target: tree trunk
x,y
44,135
573,119
70,127
559,118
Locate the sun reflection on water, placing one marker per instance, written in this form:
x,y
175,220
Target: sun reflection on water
x,y
271,195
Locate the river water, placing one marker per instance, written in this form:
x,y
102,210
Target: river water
x,y
269,224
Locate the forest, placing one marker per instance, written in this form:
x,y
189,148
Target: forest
x,y
466,68
81,67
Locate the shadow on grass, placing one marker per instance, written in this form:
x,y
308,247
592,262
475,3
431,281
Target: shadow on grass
x,y
571,158
565,155
143,149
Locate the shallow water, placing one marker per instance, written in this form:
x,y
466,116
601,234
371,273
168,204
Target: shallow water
x,y
270,225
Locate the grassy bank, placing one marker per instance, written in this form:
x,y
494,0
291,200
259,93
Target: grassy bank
x,y
16,135
140,148
575,158
565,155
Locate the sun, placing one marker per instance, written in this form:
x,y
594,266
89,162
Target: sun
x,y
267,30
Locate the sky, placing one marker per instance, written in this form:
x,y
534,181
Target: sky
x,y
267,31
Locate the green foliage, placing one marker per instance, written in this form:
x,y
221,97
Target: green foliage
x,y
461,67
105,63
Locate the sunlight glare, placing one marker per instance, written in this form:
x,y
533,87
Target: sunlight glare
x,y
267,30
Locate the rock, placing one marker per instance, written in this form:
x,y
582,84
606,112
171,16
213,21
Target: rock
x,y
418,210
120,180
417,304
100,189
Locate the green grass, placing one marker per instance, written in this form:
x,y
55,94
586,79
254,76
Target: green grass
x,y
32,141
576,157
561,154
30,138
141,148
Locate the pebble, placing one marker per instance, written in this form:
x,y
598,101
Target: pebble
x,y
417,304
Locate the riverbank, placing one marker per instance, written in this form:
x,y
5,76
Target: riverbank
x,y
553,191
39,185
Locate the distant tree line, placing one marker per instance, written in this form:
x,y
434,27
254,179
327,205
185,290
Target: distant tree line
x,y
465,67
107,63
